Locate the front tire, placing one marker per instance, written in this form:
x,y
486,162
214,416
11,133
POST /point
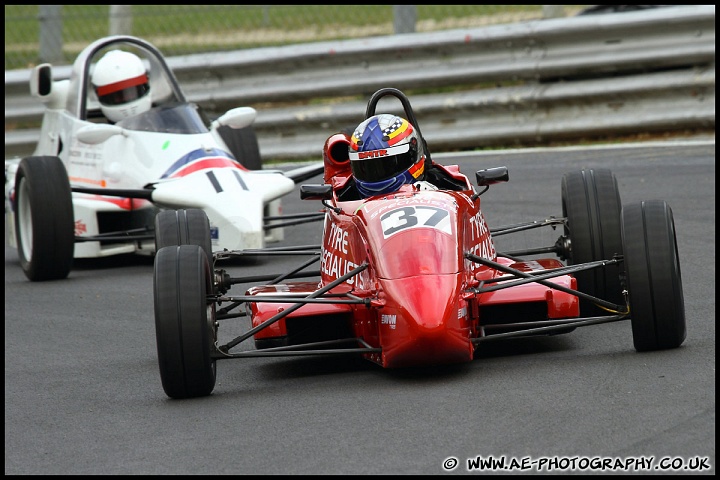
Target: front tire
x,y
652,267
44,219
183,227
184,321
591,204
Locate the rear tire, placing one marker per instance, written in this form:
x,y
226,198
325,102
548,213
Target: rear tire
x,y
243,144
591,204
44,219
652,268
184,321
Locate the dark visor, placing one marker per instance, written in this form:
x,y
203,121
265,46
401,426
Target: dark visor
x,y
375,169
121,97
124,91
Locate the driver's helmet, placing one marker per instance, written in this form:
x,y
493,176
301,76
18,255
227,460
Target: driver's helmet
x,y
385,153
121,84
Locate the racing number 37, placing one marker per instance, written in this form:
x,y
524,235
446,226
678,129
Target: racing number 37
x,y
413,217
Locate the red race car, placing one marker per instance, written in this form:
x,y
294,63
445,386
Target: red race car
x,y
431,304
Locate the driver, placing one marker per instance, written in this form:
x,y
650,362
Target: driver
x,y
121,83
385,153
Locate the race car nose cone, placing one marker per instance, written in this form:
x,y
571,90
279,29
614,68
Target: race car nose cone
x,y
424,321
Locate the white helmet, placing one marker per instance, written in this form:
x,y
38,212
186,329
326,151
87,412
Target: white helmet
x,y
121,84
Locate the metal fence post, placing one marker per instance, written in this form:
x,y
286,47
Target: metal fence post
x,y
51,40
404,18
120,20
553,11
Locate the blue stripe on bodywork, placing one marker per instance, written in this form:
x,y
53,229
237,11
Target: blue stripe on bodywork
x,y
193,156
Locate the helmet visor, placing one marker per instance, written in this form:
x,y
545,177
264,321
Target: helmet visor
x,y
120,93
376,165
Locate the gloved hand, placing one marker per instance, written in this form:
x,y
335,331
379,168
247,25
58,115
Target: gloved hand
x,y
423,185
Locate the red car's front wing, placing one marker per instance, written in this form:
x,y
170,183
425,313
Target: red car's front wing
x,y
412,321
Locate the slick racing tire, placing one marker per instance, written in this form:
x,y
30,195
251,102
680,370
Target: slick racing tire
x,y
183,227
243,144
591,204
44,220
184,321
652,268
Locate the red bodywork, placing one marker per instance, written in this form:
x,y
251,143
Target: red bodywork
x,y
422,309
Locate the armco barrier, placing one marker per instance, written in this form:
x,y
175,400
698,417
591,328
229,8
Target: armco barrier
x,y
568,78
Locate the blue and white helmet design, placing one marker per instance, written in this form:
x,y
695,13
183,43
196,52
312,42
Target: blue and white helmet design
x,y
385,153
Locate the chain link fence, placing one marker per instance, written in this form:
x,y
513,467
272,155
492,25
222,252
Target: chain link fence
x,y
57,33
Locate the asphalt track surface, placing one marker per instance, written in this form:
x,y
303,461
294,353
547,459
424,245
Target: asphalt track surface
x,y
83,392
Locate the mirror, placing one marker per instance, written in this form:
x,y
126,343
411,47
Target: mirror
x,y
94,134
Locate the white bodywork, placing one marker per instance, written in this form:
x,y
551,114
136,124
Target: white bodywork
x,y
187,167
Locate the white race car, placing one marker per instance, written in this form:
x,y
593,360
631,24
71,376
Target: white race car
x,y
93,187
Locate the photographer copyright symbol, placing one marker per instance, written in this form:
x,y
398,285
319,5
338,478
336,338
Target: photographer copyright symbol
x,y
450,463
